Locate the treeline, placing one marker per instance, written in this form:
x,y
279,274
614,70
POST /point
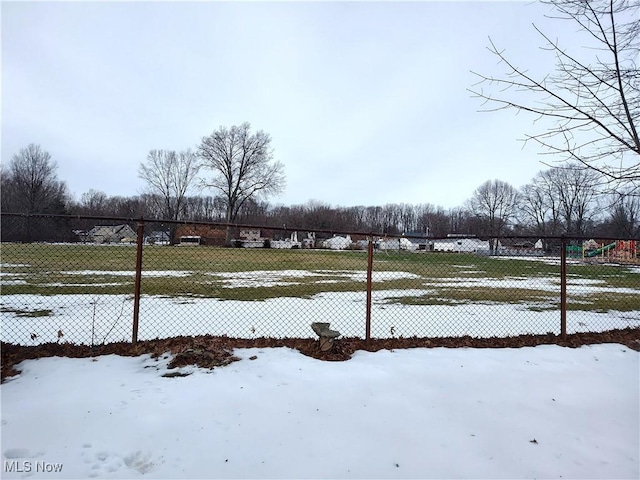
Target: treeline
x,y
567,200
608,216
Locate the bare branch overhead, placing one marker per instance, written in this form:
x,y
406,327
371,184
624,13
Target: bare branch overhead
x,y
591,99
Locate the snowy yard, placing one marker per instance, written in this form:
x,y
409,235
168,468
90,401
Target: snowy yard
x,y
88,319
83,294
533,412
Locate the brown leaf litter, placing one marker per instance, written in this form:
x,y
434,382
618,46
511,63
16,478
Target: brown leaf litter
x,y
209,352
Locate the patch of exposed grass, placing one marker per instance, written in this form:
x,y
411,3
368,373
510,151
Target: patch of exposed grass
x,y
53,270
477,295
535,300
27,313
442,265
49,290
617,276
41,257
604,302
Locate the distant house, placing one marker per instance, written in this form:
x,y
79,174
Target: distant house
x,y
112,234
337,242
251,235
83,235
510,246
309,241
516,244
395,244
158,238
252,238
296,240
291,242
453,243
419,240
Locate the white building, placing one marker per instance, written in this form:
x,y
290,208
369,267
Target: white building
x,y
454,244
396,244
291,242
251,238
337,242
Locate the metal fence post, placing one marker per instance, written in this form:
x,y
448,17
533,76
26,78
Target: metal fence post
x,y
138,280
369,287
563,288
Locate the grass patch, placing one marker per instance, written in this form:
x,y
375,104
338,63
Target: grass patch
x,y
604,302
174,271
27,313
478,295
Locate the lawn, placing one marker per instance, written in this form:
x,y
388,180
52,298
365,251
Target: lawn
x,y
191,290
202,271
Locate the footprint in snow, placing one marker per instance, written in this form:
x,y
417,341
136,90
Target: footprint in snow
x,y
19,453
140,461
102,462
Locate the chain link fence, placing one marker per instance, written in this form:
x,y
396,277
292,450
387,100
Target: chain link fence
x,y
108,280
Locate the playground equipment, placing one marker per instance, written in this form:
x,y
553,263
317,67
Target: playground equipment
x,y
599,251
620,251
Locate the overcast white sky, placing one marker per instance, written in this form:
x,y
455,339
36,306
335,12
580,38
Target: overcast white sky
x,y
366,103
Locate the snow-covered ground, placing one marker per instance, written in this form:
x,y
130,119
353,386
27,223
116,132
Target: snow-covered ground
x,y
30,319
91,319
543,412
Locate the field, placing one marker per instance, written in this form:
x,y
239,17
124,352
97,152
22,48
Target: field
x,y
85,293
449,412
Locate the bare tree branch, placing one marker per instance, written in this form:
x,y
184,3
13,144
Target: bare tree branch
x,y
593,105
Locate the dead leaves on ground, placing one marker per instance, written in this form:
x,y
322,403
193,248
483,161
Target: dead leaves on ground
x,y
209,352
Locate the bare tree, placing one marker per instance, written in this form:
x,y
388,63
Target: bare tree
x,y
560,200
456,219
93,202
495,203
253,211
127,206
433,220
317,215
624,211
372,217
204,208
408,218
6,186
242,166
32,183
575,190
169,176
593,102
391,218
539,205
534,210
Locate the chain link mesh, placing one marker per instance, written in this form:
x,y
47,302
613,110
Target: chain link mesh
x,y
82,291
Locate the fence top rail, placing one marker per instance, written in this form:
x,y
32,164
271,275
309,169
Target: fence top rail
x,y
370,234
